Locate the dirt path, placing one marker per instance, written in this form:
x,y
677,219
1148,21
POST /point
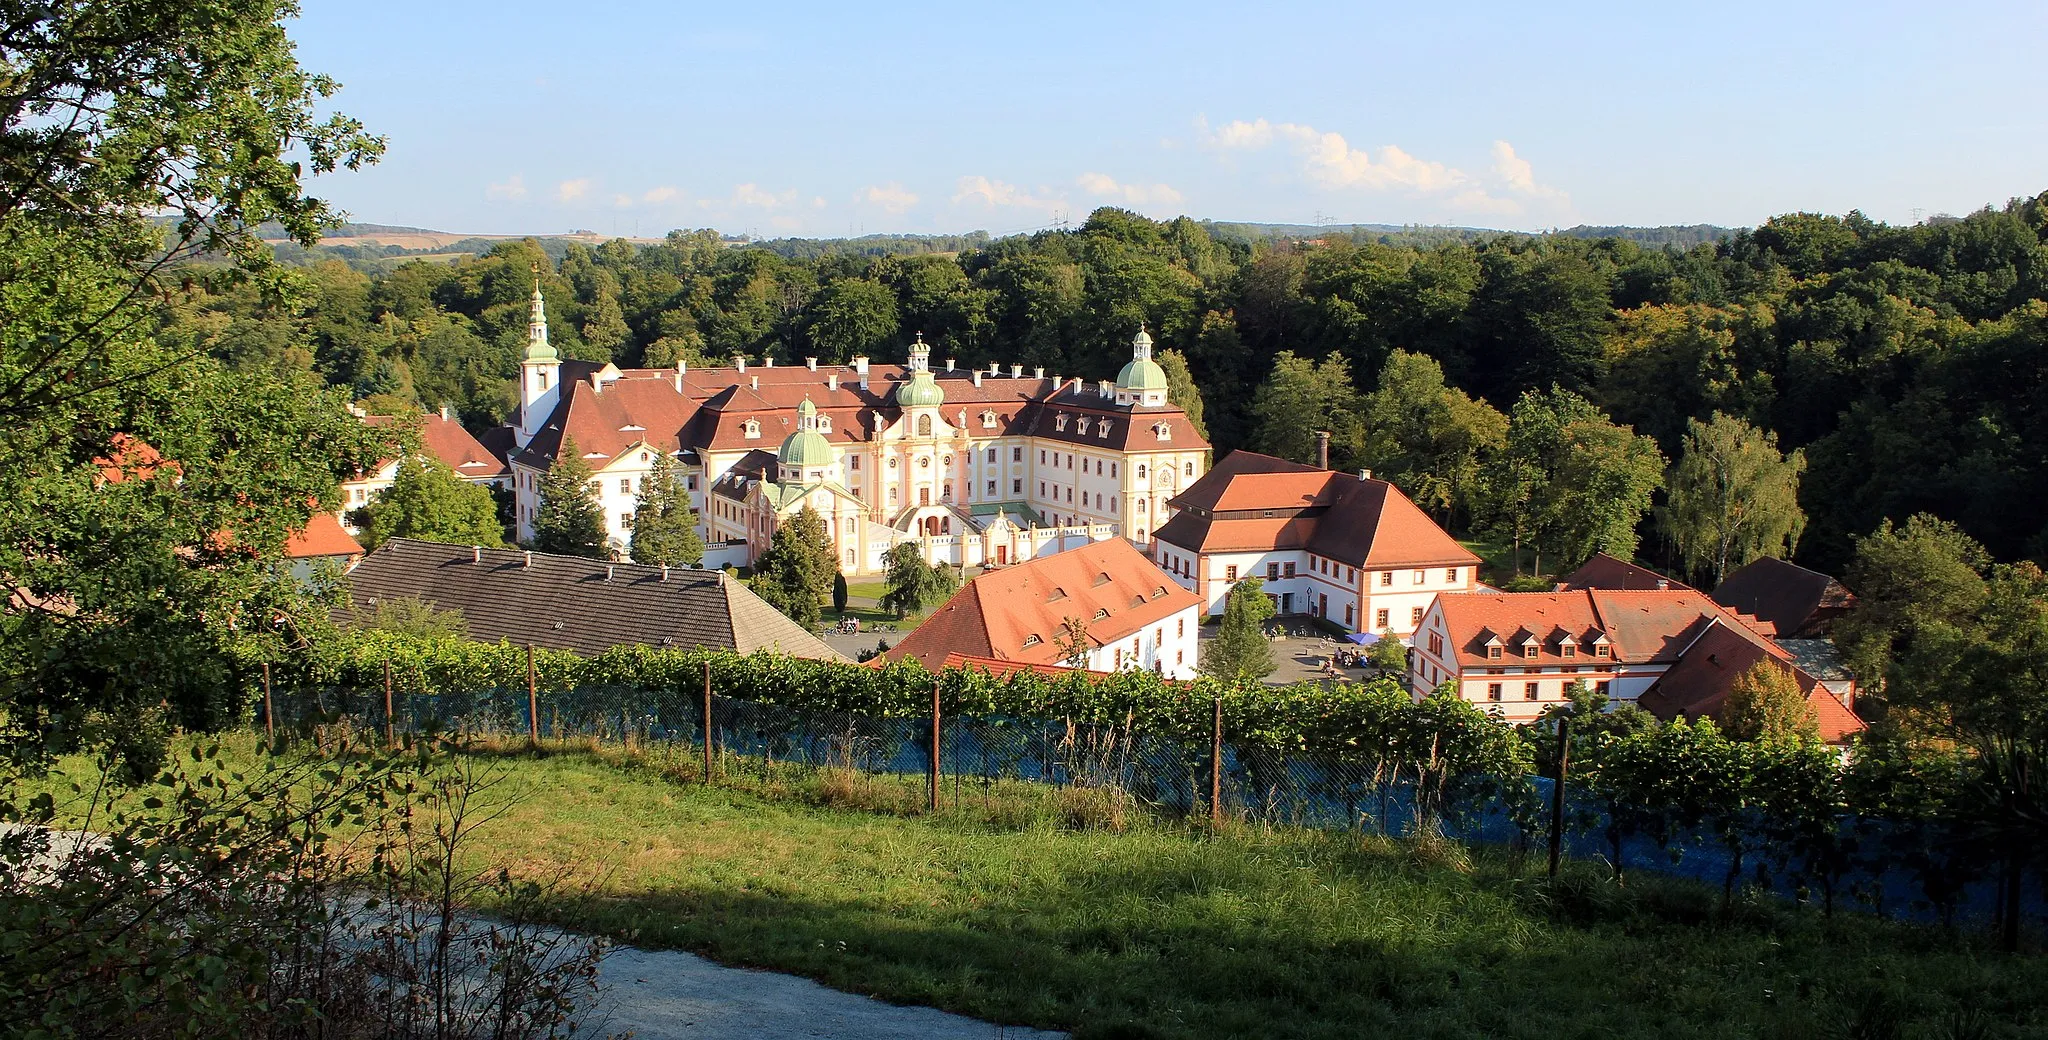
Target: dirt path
x,y
669,995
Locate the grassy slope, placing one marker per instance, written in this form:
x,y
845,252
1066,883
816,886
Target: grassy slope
x,y
1166,932
1170,932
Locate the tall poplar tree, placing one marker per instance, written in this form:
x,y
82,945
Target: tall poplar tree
x,y
1733,497
664,520
569,522
1181,388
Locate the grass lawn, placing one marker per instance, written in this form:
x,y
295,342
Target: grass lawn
x,y
1497,559
1161,930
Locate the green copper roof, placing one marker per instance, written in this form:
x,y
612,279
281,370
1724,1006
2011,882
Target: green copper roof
x,y
923,390
805,449
1141,375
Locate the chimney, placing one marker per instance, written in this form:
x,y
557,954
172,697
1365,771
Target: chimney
x,y
1038,373
1016,371
739,361
1059,382
977,377
753,382
767,361
444,412
860,365
608,573
1105,388
1365,474
1663,585
949,364
529,559
1322,449
476,554
832,381
664,572
811,363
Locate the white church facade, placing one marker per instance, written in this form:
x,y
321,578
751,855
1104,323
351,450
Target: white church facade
x,y
985,466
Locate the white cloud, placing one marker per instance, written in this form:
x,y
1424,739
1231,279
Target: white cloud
x,y
570,191
891,197
1518,175
754,196
623,201
998,193
661,194
1136,194
513,187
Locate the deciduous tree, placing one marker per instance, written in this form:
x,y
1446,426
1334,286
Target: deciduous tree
x,y
1733,497
426,500
1302,396
1765,703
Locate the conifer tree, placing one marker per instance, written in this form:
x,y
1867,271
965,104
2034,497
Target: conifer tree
x,y
1240,651
568,521
664,521
796,571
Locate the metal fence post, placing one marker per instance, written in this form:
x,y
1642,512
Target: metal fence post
x,y
1564,751
269,713
390,729
935,747
532,700
707,721
1216,768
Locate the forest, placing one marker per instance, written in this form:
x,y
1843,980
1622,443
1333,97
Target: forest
x,y
1884,370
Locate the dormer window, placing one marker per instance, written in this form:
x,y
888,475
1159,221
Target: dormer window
x,y
1165,432
988,420
1105,429
1082,426
1567,649
824,424
1101,613
1494,652
751,428
1531,648
1031,641
1059,422
1602,650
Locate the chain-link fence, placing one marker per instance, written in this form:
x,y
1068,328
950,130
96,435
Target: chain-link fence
x,y
1100,768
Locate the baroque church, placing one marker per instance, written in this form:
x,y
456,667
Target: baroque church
x,y
983,466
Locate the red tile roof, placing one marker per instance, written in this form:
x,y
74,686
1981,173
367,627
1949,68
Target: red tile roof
x,y
1699,684
1607,572
1357,521
132,457
445,439
1002,669
322,536
1109,583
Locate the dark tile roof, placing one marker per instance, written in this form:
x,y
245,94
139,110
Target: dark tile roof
x,y
1800,602
1608,572
570,603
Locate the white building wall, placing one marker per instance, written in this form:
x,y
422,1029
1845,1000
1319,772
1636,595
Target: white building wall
x,y
1167,646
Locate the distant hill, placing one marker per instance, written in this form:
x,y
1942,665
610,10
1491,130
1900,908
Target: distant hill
x,y
1684,237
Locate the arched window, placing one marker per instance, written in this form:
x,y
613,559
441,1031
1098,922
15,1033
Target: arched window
x,y
751,428
849,559
1059,422
924,426
1142,506
988,421
1141,471
1191,469
1083,426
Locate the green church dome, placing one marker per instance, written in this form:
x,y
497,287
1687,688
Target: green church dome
x,y
1141,375
806,448
923,390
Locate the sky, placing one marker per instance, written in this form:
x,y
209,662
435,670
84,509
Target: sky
x,y
830,119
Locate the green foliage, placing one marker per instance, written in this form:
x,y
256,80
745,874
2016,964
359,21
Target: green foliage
x,y
664,520
1922,572
1766,704
415,617
912,586
426,500
850,317
1569,481
1388,655
1074,642
1300,397
569,521
839,592
796,571
1428,439
1240,652
1733,497
1181,388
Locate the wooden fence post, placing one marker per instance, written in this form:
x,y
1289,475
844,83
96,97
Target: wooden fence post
x,y
532,700
1216,768
1564,752
390,727
935,746
707,721
269,714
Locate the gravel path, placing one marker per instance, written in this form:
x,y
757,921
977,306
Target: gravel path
x,y
669,995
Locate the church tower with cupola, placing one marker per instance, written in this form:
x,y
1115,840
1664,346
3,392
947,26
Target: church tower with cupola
x,y
1142,382
540,373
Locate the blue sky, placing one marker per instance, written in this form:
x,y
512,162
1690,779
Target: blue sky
x,y
824,119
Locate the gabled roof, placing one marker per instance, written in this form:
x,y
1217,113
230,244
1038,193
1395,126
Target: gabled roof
x,y
1253,502
1641,627
131,457
570,603
1699,684
445,439
1608,572
606,421
322,536
1798,601
1108,584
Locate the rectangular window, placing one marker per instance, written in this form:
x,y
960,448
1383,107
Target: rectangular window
x,y
1070,494
1016,487
1416,617
1529,690
626,485
1272,572
1600,687
1017,454
853,464
1493,691
1451,575
1379,620
1386,578
1420,577
1180,628
1349,613
1230,573
1112,466
1567,649
1290,570
991,488
1041,456
991,456
693,480
1601,650
1041,489
626,520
